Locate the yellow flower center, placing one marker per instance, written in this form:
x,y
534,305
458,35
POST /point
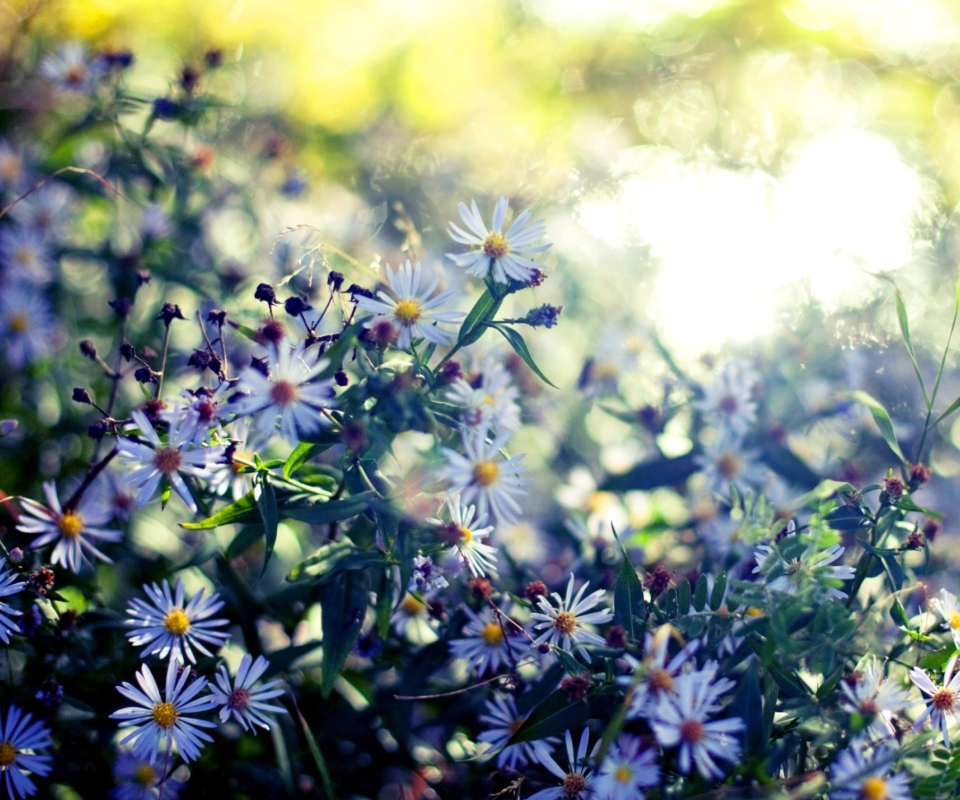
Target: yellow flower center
x,y
176,622
283,393
8,754
407,311
466,535
492,634
165,715
167,460
485,473
495,245
25,257
411,606
145,776
954,620
488,400
19,323
623,774
874,789
70,524
565,623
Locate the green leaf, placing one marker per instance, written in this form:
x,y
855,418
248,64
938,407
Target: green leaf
x,y
282,659
267,505
165,494
683,596
950,409
748,705
899,614
520,347
552,717
317,758
242,510
700,593
303,453
324,560
882,418
629,605
569,663
905,332
719,589
250,333
652,474
323,513
473,326
343,603
244,539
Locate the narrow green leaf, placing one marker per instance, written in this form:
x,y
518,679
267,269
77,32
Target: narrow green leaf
x,y
165,494
950,409
700,594
629,605
343,603
280,660
905,332
483,311
317,758
748,705
267,505
882,418
569,663
323,513
324,560
552,717
337,352
520,347
303,453
244,539
899,614
243,510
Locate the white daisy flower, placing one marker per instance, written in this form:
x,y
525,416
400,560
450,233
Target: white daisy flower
x,y
13,169
654,676
229,477
28,329
724,462
680,720
942,700
47,211
73,529
111,492
728,403
487,643
485,477
243,701
786,570
288,397
167,627
199,413
70,69
566,623
506,252
468,533
10,584
866,692
413,313
855,777
947,607
25,254
138,779
411,618
21,740
160,721
504,720
576,782
627,770
157,461
489,400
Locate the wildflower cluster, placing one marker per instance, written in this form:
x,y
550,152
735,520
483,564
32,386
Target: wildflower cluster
x,y
361,559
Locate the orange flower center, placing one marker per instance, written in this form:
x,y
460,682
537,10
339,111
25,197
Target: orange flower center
x,y
874,789
728,465
574,784
19,323
145,776
8,754
943,699
660,680
692,731
565,623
